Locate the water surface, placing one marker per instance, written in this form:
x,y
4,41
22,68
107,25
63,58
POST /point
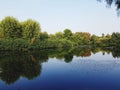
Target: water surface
x,y
60,69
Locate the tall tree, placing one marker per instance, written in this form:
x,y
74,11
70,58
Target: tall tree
x,y
31,29
10,27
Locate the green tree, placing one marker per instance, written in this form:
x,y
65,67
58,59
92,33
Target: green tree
x,y
1,34
31,29
10,27
67,33
77,38
43,36
115,39
59,35
108,36
52,36
86,38
95,40
103,35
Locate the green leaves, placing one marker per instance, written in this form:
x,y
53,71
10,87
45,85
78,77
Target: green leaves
x,y
43,36
30,28
10,27
67,33
115,40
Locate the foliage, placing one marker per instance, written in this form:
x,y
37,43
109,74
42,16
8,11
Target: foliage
x,y
10,28
59,35
115,39
11,44
86,38
110,2
27,36
67,33
30,29
14,65
62,43
77,38
43,36
95,40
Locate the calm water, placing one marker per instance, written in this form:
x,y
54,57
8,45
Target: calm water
x,y
68,69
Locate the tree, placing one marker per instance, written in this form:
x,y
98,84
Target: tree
x,y
103,35
1,34
43,36
110,2
116,2
52,36
59,35
67,33
77,38
31,29
115,39
86,37
108,36
10,27
95,40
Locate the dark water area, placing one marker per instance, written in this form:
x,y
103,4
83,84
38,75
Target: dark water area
x,y
80,68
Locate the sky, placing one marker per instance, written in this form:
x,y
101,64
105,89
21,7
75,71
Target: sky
x,y
57,15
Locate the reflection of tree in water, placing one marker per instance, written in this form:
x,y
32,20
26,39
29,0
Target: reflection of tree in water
x,y
11,70
68,58
116,52
67,54
14,66
41,56
32,68
82,51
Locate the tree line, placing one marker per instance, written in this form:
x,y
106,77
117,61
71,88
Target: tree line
x,y
27,35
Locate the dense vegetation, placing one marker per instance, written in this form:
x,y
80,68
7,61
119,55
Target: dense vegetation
x,y
27,35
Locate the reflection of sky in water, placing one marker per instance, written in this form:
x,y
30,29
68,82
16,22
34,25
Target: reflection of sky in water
x,y
86,72
96,72
99,56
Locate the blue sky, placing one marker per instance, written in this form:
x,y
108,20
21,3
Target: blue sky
x,y
57,15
